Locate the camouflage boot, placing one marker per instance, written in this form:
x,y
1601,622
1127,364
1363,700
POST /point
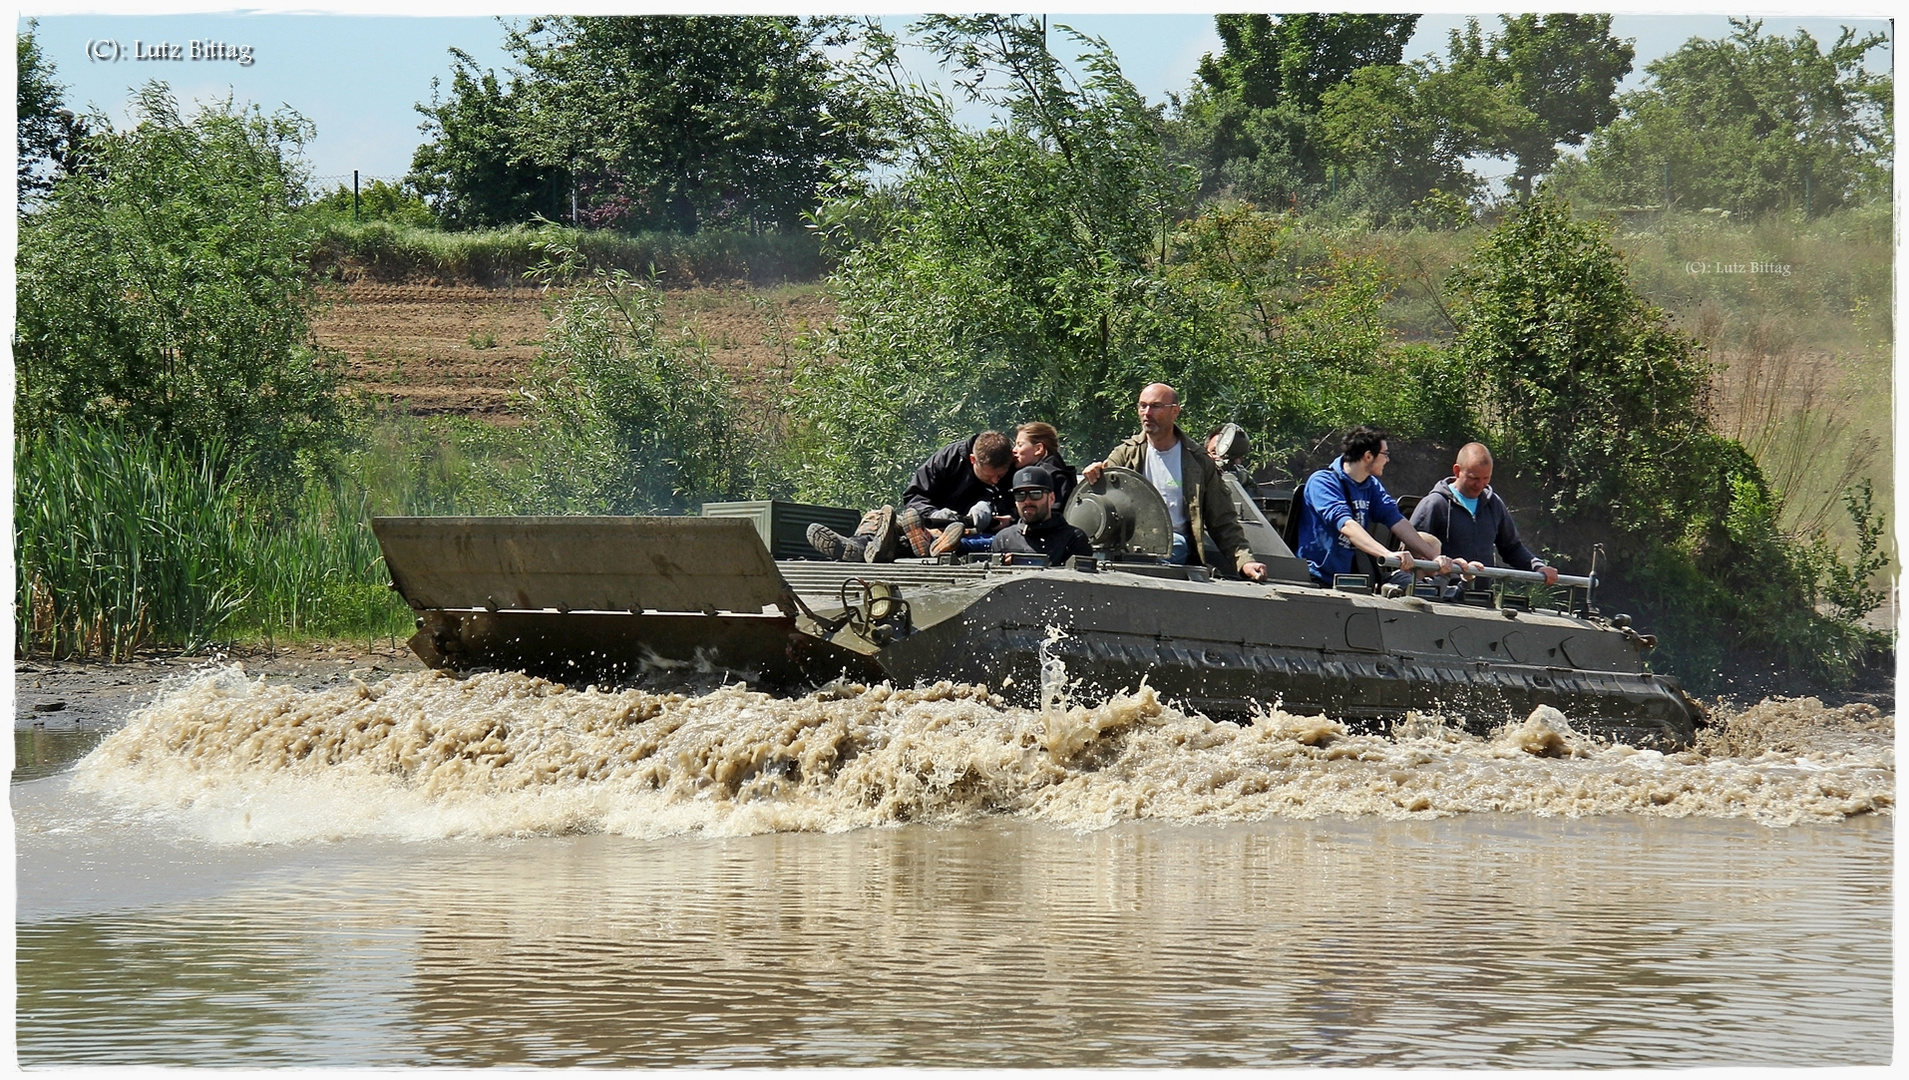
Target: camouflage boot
x,y
919,539
834,546
879,526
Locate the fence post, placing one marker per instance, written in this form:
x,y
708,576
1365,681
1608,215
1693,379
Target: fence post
x,y
354,194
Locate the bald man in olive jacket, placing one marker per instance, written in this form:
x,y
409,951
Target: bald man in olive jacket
x,y
1196,498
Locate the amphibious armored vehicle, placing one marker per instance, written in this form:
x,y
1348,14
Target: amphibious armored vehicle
x,y
617,599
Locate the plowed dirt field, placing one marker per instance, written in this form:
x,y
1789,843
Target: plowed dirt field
x,y
459,349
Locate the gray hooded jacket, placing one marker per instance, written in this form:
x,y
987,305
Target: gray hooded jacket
x,y
1473,537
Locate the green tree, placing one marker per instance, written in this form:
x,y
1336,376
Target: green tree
x,y
1562,70
1294,60
1251,121
1050,266
1003,275
44,133
664,121
1588,390
473,167
164,287
1404,131
1750,124
1320,106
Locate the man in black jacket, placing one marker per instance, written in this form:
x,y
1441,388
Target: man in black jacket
x,y
962,487
962,490
1470,521
1040,531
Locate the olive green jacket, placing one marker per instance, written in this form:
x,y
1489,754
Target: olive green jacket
x,y
1208,506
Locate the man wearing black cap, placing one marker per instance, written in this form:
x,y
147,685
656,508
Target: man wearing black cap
x,y
1040,531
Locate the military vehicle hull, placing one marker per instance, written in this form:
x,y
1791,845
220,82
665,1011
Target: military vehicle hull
x,y
613,600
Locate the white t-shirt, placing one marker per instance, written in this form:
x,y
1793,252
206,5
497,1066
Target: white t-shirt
x,y
1163,472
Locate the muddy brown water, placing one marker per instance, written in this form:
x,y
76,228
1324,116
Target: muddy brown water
x,y
334,869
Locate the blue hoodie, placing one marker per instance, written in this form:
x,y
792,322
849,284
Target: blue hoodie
x,y
1325,508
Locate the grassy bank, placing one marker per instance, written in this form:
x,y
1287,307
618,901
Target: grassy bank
x,y
1796,317
384,251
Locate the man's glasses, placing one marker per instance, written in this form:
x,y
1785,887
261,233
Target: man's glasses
x,y
1029,496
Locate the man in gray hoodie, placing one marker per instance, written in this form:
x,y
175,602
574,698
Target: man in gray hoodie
x,y
1470,521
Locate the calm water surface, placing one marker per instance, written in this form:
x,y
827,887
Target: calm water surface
x,y
1485,940
259,878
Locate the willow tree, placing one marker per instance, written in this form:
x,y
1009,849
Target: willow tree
x,y
1003,274
1050,265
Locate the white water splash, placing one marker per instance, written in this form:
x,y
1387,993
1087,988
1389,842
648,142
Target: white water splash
x,y
1054,686
428,755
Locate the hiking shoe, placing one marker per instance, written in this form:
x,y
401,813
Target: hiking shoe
x,y
881,538
949,541
919,539
833,545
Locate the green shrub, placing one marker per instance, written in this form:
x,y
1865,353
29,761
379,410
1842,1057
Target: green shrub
x,y
165,288
1579,375
1304,347
376,201
391,251
623,418
1589,392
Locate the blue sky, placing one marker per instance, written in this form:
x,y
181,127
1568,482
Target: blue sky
x,y
356,70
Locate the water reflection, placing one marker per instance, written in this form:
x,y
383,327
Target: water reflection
x,y
40,750
1484,940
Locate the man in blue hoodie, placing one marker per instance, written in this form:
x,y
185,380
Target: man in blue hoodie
x,y
1471,521
1337,503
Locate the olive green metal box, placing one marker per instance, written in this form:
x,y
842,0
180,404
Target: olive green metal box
x,y
784,526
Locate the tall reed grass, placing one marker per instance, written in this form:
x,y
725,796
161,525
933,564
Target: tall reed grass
x,y
123,542
319,572
1801,417
120,541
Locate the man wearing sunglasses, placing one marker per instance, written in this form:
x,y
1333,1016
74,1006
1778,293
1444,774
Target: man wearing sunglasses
x,y
1040,531
1188,482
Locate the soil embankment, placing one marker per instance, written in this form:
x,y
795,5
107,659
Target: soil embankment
x,y
459,350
